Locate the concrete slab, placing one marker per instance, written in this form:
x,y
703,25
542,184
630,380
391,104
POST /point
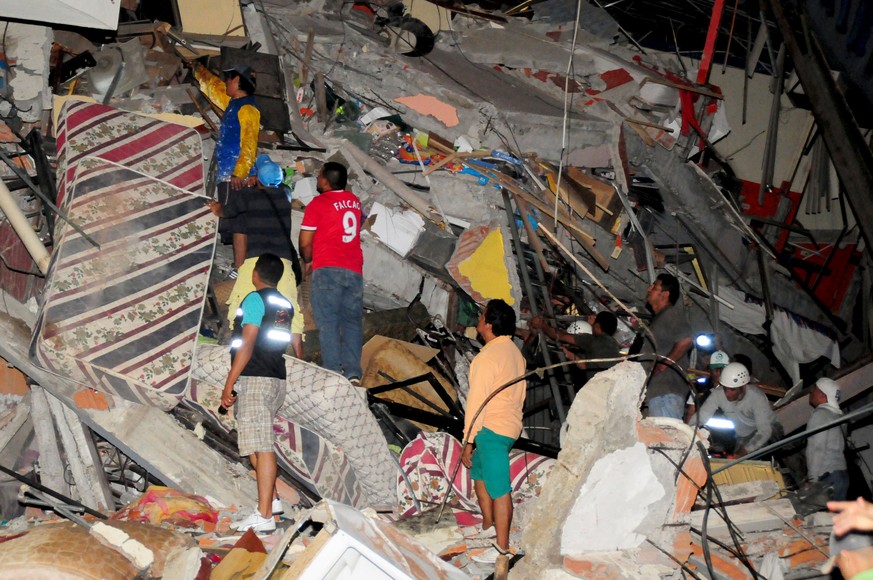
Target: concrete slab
x,y
757,517
141,432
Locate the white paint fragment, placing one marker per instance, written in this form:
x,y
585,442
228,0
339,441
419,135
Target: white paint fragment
x,y
612,503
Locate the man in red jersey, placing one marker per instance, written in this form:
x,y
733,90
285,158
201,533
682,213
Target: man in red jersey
x,y
330,245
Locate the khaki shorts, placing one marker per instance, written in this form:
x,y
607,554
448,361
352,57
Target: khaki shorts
x,y
258,400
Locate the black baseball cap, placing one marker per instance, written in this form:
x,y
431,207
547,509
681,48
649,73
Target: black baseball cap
x,y
244,71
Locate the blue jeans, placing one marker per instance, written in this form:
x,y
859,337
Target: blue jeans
x,y
838,482
337,298
669,405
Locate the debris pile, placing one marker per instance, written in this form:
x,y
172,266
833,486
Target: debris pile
x,y
548,161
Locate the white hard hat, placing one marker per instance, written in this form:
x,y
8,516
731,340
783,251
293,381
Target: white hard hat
x,y
734,376
580,327
831,389
719,359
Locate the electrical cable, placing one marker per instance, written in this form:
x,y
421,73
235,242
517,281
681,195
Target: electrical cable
x,y
566,113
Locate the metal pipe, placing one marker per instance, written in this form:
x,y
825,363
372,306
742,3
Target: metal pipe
x,y
22,227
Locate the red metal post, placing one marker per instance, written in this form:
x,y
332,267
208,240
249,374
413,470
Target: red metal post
x,y
709,47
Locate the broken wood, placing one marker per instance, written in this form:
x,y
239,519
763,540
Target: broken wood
x,y
321,98
390,181
582,237
307,58
212,128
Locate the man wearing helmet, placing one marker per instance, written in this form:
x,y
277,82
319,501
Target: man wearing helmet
x,y
745,405
717,361
262,218
825,461
593,337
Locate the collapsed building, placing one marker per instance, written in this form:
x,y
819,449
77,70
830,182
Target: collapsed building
x,y
552,154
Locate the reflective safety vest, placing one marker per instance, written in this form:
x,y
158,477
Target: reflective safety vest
x,y
274,336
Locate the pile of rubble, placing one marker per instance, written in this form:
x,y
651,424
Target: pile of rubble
x,y
453,124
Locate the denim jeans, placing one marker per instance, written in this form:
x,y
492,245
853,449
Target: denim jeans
x,y
838,482
337,298
672,406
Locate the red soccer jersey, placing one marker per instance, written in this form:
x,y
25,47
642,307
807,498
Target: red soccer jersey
x,y
335,217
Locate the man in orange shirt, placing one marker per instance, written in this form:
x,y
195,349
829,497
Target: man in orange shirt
x,y
496,428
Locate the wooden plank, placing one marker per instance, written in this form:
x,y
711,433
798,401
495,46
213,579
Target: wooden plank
x,y
321,98
583,238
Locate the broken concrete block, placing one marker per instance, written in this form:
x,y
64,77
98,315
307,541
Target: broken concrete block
x,y
602,420
747,492
399,230
757,517
619,489
30,47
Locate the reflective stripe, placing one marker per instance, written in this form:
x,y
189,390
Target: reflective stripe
x,y
719,423
239,311
275,300
279,335
236,343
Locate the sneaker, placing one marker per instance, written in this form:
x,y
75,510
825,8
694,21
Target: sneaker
x,y
278,508
255,522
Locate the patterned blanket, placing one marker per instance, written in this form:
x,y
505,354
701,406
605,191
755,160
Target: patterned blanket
x,y
429,460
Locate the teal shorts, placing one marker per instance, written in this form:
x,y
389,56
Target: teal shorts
x,y
491,462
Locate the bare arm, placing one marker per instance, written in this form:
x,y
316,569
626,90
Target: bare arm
x,y
304,246
537,323
242,358
680,347
240,246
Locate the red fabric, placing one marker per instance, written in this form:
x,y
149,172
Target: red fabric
x,y
335,216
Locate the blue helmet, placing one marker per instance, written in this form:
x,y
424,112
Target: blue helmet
x,y
269,172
